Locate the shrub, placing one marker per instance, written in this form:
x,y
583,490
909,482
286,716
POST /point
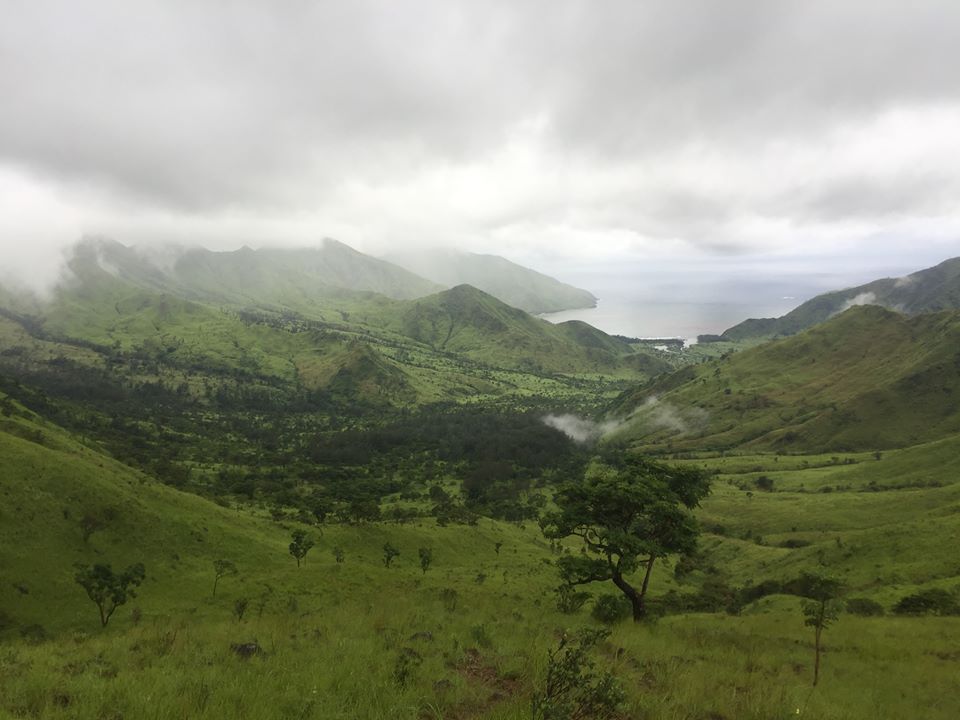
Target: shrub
x,y
34,633
573,690
610,609
570,600
934,601
449,598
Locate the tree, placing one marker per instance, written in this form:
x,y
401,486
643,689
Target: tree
x,y
107,589
222,568
821,610
300,546
426,557
389,553
627,511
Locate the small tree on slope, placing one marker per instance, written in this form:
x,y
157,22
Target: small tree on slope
x,y
628,512
300,545
821,610
107,589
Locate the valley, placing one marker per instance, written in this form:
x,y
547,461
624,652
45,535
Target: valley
x,y
180,418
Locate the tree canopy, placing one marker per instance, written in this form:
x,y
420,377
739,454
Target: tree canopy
x,y
109,590
628,511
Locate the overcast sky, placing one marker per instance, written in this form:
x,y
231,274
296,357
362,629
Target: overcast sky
x,y
759,135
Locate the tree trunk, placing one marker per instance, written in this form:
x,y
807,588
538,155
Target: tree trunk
x,y
635,598
816,661
646,577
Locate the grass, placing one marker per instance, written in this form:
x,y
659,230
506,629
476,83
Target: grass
x,y
359,640
868,379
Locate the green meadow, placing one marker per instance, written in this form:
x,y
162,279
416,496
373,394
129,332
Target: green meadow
x,y
469,637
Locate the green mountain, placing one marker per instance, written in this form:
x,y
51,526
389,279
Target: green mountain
x,y
472,323
930,290
291,278
866,379
513,284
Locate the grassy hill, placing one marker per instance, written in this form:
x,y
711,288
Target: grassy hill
x,y
925,291
470,636
868,379
472,323
508,282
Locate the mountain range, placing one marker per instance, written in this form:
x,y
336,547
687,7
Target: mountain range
x,y
929,290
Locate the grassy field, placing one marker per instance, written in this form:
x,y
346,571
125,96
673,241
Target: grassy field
x,y
468,638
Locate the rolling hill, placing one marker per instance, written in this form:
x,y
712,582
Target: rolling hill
x,y
930,290
472,323
867,379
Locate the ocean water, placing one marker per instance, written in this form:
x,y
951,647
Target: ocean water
x,y
648,318
650,304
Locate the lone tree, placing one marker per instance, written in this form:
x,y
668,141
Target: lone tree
x,y
107,589
222,568
821,610
426,557
300,545
627,511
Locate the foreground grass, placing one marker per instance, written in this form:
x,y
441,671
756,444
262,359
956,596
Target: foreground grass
x,y
411,658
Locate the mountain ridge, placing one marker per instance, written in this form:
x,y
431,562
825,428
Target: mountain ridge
x,y
928,290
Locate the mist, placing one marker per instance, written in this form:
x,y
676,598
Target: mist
x,y
520,130
652,415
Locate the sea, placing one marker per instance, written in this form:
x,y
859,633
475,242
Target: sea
x,y
640,303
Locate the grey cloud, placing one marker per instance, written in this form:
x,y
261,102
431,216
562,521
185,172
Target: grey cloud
x,y
656,120
204,104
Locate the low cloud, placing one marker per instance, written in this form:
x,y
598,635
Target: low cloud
x,y
653,415
581,430
656,414
866,298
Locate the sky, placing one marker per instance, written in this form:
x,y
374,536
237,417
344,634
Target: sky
x,y
575,136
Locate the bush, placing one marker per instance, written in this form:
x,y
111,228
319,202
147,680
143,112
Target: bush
x,y
933,601
864,607
569,600
610,609
572,688
449,598
33,634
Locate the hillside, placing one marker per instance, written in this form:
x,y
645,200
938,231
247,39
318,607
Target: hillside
x,y
867,379
513,284
398,641
296,279
472,323
930,290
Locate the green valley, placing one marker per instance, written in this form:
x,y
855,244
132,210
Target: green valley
x,y
335,473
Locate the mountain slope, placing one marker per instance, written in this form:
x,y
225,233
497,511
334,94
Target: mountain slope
x,y
472,323
52,486
513,284
866,379
930,290
294,278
